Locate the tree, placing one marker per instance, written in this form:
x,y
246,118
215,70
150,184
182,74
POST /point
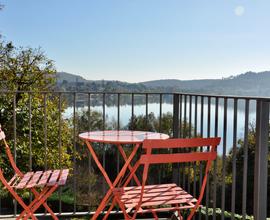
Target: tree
x,y
25,69
35,113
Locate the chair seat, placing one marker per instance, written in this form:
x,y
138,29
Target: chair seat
x,y
39,179
163,195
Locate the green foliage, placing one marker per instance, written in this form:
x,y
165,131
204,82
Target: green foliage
x,y
25,69
38,126
227,214
152,123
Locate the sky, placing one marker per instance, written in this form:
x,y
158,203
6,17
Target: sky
x,y
141,40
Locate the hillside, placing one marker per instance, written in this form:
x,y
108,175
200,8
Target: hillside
x,y
180,84
70,82
248,84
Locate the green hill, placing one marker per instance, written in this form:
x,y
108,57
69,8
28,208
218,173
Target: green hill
x,y
246,84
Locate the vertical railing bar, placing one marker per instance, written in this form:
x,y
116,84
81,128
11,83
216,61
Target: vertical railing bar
x,y
175,126
224,158
209,116
180,135
30,132
60,148
118,111
179,169
189,135
195,116
160,112
89,154
160,129
45,130
103,111
103,145
15,142
245,168
74,152
261,160
132,110
185,117
195,135
180,116
201,149
146,109
45,133
184,136
208,135
175,115
118,128
30,137
190,116
215,162
89,111
234,158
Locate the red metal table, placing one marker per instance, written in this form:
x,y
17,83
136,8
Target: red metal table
x,y
117,138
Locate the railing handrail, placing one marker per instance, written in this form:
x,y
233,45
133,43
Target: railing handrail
x,y
261,98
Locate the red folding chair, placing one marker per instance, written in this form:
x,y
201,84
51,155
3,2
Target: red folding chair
x,y
41,183
165,197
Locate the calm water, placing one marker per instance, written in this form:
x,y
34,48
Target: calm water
x,y
125,114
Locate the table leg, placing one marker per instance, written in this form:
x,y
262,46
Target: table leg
x,y
120,148
98,163
117,179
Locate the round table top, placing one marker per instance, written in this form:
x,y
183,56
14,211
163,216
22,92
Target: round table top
x,y
121,137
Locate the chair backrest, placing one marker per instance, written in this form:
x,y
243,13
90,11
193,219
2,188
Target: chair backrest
x,y
187,156
9,154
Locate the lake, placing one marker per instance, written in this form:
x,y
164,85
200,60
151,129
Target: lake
x,y
125,114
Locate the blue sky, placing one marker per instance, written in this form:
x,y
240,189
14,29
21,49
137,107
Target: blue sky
x,y
140,40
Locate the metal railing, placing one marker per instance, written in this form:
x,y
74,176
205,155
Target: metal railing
x,y
190,115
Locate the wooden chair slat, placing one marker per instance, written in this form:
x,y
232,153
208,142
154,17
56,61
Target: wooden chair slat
x,y
157,197
154,190
12,180
23,182
173,193
150,186
63,177
54,178
174,208
43,180
34,179
156,193
161,202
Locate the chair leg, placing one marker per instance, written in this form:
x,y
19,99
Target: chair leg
x,y
110,209
45,205
21,202
39,201
32,203
37,194
15,195
155,215
179,214
122,207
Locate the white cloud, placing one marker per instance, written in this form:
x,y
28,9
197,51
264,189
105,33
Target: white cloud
x,y
239,10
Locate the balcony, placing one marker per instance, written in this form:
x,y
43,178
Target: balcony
x,y
42,125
